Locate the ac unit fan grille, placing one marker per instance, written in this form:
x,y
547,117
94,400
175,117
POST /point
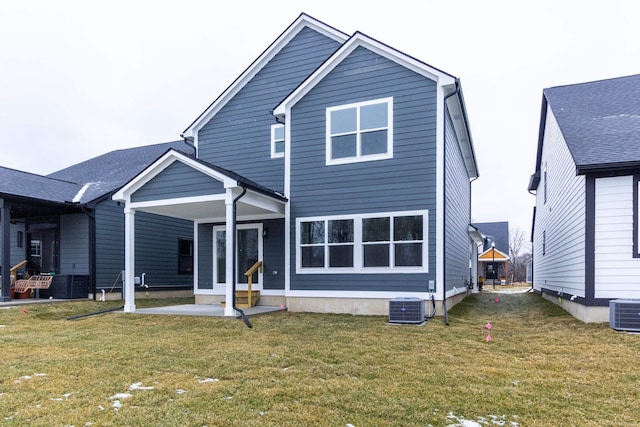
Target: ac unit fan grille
x,y
406,310
624,315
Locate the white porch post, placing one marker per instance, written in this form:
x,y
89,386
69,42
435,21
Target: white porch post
x,y
129,260
228,308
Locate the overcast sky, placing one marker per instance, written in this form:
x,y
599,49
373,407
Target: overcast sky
x,y
81,78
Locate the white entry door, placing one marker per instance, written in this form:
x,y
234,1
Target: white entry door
x,y
249,251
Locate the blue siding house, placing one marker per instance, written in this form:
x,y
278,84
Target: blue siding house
x,y
342,164
67,224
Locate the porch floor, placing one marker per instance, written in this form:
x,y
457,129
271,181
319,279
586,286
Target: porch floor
x,y
205,310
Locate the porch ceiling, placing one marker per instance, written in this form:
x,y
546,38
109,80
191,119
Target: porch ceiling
x,y
212,210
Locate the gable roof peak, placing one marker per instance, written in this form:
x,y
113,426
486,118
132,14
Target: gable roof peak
x,y
302,21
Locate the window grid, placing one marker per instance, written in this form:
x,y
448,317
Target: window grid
x,y
277,140
359,246
358,132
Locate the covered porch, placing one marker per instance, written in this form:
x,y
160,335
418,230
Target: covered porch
x,y
182,187
494,267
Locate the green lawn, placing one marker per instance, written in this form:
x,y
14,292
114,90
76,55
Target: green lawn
x,y
541,368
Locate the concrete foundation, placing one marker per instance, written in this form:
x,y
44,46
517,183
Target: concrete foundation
x,y
585,313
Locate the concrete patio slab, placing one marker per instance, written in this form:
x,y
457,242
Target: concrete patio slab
x,y
205,310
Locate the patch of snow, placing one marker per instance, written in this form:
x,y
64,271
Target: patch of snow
x,y
78,196
100,407
481,421
39,375
116,405
180,391
139,386
208,380
57,399
120,396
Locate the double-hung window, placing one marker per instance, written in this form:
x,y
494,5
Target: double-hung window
x,y
368,243
277,140
360,132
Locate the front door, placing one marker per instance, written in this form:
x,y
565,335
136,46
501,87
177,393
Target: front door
x,y
249,251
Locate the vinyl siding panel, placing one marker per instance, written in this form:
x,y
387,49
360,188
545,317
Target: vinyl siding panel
x,y
178,180
405,182
238,138
562,217
16,254
156,247
74,244
273,254
109,245
616,270
205,256
457,213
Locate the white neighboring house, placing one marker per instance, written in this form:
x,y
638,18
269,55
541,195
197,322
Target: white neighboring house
x,y
585,223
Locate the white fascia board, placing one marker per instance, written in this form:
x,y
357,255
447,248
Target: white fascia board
x,y
361,40
475,234
301,22
502,254
161,164
176,201
459,119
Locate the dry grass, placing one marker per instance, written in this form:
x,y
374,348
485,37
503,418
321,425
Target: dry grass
x,y
541,368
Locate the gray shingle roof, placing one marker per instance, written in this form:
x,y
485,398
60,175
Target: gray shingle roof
x,y
600,121
23,184
106,173
497,232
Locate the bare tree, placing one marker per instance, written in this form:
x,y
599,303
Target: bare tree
x,y
519,253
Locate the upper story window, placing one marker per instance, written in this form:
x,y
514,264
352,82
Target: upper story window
x,y
277,140
360,132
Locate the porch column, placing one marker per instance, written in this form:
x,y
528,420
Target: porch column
x,y
129,260
228,308
5,262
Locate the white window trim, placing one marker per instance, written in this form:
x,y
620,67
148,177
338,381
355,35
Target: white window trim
x,y
274,154
359,157
358,267
239,286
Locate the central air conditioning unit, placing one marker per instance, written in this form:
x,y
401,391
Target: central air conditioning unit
x,y
406,310
624,315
